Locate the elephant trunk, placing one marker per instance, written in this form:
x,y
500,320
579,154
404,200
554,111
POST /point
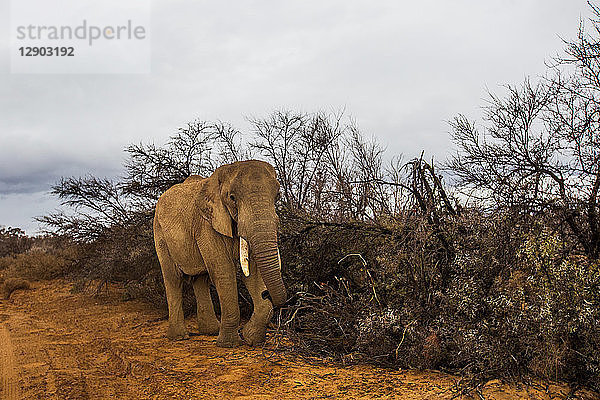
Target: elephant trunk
x,y
262,240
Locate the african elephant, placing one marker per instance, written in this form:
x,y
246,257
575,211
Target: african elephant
x,y
208,227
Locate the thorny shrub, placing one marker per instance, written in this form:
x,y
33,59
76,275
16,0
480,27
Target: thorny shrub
x,y
13,241
47,258
513,304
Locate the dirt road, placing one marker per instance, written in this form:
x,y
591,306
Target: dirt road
x,y
58,345
8,376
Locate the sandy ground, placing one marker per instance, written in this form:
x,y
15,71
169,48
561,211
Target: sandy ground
x,y
58,345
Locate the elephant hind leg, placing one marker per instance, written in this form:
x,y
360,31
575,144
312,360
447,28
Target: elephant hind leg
x,y
205,312
172,277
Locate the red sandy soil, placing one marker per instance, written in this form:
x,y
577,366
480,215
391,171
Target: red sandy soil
x,y
59,345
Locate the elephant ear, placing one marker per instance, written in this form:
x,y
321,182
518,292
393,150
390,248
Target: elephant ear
x,y
212,207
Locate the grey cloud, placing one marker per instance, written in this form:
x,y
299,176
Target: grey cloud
x,y
36,175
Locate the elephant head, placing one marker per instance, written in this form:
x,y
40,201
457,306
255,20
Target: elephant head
x,y
239,200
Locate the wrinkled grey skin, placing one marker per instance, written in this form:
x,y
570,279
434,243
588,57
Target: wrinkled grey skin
x,y
197,226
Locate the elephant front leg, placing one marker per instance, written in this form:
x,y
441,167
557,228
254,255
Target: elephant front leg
x,y
205,312
254,332
224,279
230,313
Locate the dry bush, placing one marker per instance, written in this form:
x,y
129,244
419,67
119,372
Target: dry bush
x,y
36,258
512,304
13,241
12,284
5,262
43,264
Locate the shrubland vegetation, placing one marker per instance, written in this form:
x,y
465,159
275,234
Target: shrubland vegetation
x,y
497,277
24,258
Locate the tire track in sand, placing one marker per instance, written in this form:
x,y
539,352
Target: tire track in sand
x,y
9,388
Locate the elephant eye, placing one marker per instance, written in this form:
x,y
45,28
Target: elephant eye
x,y
232,197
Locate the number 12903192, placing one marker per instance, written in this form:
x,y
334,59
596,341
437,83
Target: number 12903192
x,y
46,51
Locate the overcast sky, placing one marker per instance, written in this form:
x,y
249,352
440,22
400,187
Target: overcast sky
x,y
402,69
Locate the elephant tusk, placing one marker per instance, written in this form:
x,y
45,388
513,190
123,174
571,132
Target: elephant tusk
x,y
279,258
244,256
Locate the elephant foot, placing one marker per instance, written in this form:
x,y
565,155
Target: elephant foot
x,y
229,340
254,334
211,329
177,334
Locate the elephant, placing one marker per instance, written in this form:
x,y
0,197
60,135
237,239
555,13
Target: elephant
x,y
206,228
